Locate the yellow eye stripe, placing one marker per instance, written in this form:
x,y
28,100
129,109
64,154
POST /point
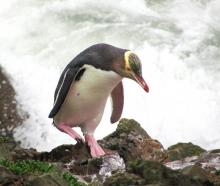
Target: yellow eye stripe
x,y
126,58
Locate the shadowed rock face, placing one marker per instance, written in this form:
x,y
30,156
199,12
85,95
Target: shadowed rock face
x,y
9,117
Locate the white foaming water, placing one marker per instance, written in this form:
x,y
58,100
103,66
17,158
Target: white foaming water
x,y
178,42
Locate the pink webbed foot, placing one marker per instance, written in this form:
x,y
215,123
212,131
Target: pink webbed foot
x,y
95,149
68,130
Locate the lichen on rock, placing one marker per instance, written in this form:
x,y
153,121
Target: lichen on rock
x,y
183,150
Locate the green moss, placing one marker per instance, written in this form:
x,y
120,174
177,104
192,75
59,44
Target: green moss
x,y
128,125
215,151
156,173
183,150
21,167
124,179
151,171
71,180
3,139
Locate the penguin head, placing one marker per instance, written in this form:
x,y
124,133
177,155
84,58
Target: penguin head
x,y
133,69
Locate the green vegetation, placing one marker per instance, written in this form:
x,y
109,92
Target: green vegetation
x,y
3,139
21,167
215,151
35,167
218,173
71,180
183,150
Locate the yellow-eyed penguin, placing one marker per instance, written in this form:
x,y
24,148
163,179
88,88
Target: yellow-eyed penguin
x,y
84,86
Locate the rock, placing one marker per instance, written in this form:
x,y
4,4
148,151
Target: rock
x,y
215,151
207,160
131,141
67,153
31,172
196,172
7,177
48,179
128,161
204,166
9,115
183,150
97,169
156,173
7,146
180,164
11,150
111,163
124,179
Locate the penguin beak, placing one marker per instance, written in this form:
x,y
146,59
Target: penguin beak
x,y
140,80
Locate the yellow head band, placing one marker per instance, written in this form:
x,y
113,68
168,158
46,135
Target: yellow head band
x,y
126,57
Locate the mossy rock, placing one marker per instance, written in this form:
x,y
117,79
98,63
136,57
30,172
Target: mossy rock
x,y
124,179
95,183
125,127
21,167
71,180
7,177
182,150
7,145
215,151
131,141
4,139
34,172
128,125
156,173
196,172
46,180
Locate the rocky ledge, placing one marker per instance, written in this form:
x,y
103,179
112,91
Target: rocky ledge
x,y
132,158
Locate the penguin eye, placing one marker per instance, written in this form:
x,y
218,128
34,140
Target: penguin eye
x,y
128,68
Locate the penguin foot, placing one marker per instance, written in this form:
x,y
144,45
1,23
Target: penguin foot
x,y
72,133
95,149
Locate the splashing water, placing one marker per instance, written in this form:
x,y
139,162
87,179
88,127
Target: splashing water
x,y
178,42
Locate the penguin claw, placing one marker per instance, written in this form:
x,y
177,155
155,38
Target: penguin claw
x,y
80,140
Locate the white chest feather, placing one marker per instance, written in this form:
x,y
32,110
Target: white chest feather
x,y
87,97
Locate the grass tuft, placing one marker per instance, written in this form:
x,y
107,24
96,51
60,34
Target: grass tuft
x,y
71,180
3,139
21,167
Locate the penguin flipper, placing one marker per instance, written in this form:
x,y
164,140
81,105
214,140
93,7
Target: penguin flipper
x,y
117,95
62,89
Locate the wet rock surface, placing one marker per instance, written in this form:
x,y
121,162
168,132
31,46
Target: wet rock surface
x,y
9,116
